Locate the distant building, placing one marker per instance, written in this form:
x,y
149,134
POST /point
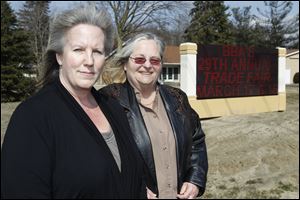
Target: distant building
x,y
292,64
171,66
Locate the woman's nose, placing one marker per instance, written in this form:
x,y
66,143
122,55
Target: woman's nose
x,y
89,59
147,64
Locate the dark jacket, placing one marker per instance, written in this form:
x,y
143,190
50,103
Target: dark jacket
x,y
191,152
53,150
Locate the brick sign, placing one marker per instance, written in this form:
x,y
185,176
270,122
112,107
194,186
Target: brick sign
x,y
236,71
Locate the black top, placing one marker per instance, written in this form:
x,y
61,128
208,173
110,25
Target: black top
x,y
52,149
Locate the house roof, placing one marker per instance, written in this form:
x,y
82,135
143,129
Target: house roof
x,y
171,54
290,52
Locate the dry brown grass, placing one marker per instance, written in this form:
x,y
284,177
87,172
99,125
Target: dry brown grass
x,y
6,112
254,156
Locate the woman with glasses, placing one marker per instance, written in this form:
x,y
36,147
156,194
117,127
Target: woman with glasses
x,y
165,127
68,141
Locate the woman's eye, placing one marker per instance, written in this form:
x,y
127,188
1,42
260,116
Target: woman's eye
x,y
140,60
99,52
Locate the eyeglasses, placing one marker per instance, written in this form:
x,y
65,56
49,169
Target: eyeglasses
x,y
142,60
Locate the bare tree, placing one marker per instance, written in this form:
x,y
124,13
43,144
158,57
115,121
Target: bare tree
x,y
164,18
132,17
34,19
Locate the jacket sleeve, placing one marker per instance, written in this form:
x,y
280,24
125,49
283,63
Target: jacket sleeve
x,y
25,157
199,165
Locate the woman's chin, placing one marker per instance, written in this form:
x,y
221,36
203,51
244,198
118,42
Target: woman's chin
x,y
86,84
146,82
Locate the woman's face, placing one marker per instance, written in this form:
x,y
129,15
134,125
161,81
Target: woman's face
x,y
83,57
144,65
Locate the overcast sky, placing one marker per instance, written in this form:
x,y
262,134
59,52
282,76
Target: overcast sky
x,y
61,5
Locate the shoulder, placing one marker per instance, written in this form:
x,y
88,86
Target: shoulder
x,y
30,123
176,93
109,101
179,99
36,105
112,90
29,119
109,96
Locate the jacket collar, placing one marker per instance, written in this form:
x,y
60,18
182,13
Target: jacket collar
x,y
127,97
128,100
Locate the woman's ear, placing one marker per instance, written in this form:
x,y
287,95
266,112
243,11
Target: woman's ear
x,y
125,67
59,59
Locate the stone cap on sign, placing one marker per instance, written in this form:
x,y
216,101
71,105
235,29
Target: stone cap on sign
x,y
281,51
188,48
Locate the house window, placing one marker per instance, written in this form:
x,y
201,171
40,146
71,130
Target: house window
x,y
170,73
164,73
176,73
